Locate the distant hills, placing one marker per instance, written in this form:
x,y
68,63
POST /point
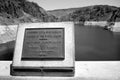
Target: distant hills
x,y
22,11
89,13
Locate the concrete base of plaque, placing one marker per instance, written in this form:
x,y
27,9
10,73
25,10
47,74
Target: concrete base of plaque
x,y
44,49
47,71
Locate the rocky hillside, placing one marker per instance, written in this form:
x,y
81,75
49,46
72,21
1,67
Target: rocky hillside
x,y
20,11
89,13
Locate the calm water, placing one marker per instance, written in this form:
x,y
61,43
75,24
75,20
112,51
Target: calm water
x,y
95,43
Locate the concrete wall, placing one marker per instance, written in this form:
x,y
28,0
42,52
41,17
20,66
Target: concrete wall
x,y
84,70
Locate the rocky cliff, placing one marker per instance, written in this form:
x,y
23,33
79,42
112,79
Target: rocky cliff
x,y
21,11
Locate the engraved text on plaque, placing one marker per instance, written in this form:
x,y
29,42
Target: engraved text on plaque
x,y
43,43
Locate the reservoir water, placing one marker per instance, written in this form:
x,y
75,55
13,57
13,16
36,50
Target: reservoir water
x,y
95,43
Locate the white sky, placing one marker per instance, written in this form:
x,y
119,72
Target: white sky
x,y
61,4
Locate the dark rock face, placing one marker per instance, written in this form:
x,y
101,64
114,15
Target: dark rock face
x,y
20,11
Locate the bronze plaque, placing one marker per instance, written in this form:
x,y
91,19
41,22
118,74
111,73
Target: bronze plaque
x,y
43,43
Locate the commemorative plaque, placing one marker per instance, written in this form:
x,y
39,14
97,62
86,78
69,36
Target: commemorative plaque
x,y
45,43
44,49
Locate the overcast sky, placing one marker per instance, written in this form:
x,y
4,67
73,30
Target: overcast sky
x,y
61,4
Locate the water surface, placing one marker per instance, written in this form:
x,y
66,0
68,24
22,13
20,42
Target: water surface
x,y
96,43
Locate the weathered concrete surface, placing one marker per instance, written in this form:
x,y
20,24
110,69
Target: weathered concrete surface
x,y
84,70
